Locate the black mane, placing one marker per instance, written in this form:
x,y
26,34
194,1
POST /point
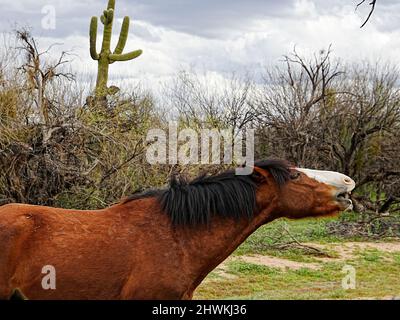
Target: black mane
x,y
226,194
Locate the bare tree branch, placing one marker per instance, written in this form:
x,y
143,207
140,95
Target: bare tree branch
x,y
372,4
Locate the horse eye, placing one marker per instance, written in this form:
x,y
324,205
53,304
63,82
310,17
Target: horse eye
x,y
294,175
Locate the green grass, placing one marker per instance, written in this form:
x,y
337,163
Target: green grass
x,y
305,230
396,258
372,255
243,268
374,278
377,272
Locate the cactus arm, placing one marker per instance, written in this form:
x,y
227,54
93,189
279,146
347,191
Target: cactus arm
x,y
123,36
126,56
93,38
108,18
111,4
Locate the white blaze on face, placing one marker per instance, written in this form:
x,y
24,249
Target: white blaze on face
x,y
331,178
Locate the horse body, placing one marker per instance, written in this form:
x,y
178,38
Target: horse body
x,y
79,250
151,259
133,250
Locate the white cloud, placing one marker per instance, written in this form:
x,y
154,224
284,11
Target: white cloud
x,y
247,36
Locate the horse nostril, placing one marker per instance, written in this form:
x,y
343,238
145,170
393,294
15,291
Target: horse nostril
x,y
347,180
342,196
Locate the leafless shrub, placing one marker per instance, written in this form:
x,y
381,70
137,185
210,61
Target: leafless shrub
x,y
200,102
54,149
327,115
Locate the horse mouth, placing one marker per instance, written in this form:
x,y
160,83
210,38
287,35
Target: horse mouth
x,y
343,198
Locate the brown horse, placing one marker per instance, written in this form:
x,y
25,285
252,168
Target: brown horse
x,y
159,244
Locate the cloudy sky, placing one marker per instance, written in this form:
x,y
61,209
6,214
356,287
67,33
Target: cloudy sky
x,y
215,36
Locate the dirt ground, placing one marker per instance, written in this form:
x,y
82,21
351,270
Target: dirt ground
x,y
341,252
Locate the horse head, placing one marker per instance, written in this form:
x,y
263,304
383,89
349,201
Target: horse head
x,y
303,192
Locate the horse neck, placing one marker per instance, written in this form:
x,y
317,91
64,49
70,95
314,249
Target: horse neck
x,y
207,246
201,247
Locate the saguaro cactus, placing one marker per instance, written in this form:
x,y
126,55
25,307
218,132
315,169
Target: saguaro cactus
x,y
106,57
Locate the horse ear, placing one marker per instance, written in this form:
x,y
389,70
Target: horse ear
x,y
17,295
260,174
